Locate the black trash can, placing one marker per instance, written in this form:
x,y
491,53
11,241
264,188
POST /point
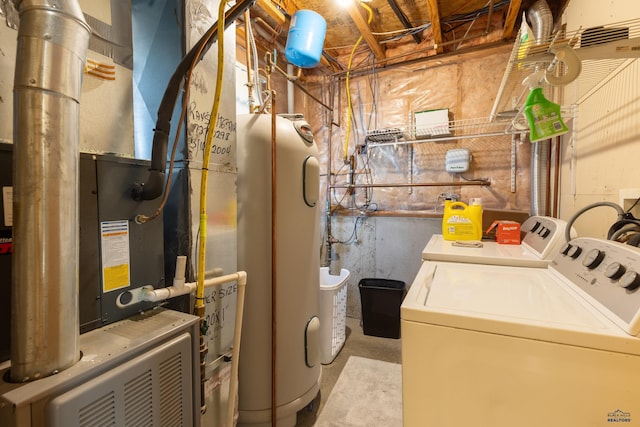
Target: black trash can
x,y
381,300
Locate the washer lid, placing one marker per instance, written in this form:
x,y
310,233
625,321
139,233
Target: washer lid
x,y
543,236
516,301
492,253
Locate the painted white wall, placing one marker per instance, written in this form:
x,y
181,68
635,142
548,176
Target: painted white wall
x,y
600,157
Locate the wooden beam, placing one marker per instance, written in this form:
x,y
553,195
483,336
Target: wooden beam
x,y
434,17
271,10
510,20
291,7
360,21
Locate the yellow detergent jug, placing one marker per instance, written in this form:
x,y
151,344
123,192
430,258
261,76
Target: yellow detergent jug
x,y
461,221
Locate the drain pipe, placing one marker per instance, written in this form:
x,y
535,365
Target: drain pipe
x,y
52,46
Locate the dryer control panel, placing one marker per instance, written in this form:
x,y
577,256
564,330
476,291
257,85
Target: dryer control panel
x,y
607,274
544,235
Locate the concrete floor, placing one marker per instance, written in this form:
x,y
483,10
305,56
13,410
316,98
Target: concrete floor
x,y
356,344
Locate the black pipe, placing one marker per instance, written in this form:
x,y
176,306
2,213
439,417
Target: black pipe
x,y
154,185
403,19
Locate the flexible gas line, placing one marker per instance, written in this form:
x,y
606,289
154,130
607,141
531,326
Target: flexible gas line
x,y
345,157
202,249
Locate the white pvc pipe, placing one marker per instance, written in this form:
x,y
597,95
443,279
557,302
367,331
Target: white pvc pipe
x,y
290,93
181,267
162,294
235,356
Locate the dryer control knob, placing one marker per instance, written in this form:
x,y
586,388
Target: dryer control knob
x,y
574,251
614,271
630,281
565,248
535,226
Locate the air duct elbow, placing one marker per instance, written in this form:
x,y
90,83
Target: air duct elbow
x,y
541,19
150,189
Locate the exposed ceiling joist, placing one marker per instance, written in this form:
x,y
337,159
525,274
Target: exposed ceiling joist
x,y
365,30
510,20
439,26
271,10
434,17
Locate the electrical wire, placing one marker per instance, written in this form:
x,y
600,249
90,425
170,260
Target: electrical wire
x,y
349,65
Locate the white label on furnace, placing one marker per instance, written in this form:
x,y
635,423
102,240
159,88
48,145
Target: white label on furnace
x,y
7,202
115,255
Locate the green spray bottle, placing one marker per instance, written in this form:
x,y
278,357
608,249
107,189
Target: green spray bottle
x,y
543,116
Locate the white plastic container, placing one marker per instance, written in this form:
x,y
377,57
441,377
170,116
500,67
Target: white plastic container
x,y
333,313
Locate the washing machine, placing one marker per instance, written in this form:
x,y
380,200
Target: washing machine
x,y
542,237
497,346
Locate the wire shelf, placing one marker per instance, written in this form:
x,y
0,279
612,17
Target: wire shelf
x,y
603,52
452,130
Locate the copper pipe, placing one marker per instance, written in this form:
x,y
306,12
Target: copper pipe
x,y
274,259
415,184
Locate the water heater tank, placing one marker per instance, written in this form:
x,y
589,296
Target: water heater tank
x,y
297,264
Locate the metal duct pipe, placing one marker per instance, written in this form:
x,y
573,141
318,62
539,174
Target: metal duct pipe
x,y
541,20
52,45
